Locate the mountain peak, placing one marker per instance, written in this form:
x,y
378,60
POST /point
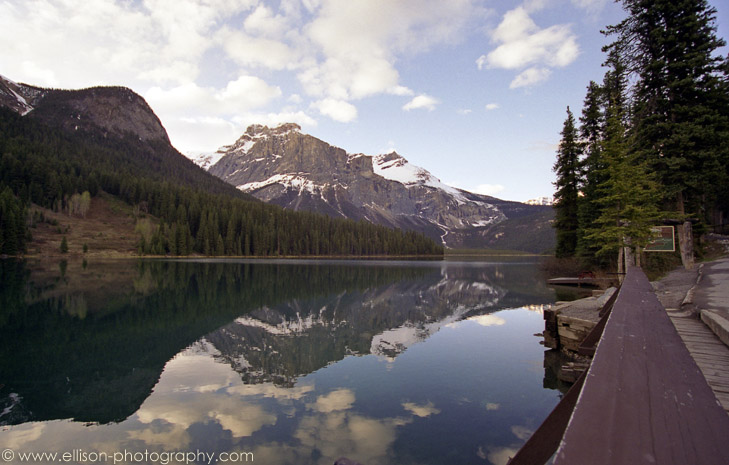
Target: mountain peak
x,y
116,110
257,130
286,167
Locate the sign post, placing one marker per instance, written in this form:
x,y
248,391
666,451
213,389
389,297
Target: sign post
x,y
663,240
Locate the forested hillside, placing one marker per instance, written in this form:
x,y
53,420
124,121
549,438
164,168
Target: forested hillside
x,y
59,168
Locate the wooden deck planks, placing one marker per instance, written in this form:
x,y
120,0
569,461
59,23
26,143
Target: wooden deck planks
x,y
645,400
710,354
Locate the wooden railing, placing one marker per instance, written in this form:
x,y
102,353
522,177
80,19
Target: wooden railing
x,y
642,401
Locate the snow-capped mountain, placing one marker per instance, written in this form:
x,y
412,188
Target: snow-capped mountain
x,y
286,167
540,201
282,342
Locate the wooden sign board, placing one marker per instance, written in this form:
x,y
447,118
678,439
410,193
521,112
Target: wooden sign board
x,y
663,240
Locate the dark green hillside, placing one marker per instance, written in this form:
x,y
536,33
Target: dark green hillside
x,y
46,161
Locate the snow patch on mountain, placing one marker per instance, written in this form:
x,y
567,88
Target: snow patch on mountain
x,y
206,159
294,180
11,91
392,342
396,168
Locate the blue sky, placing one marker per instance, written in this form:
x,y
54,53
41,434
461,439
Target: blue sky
x,y
473,91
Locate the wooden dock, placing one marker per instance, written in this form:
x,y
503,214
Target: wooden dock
x,y
707,350
579,282
644,399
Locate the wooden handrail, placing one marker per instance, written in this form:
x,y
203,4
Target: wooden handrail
x,y
643,400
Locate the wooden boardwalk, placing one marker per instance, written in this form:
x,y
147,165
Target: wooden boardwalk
x,y
644,399
710,354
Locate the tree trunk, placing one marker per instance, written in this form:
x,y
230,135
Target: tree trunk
x,y
629,257
621,269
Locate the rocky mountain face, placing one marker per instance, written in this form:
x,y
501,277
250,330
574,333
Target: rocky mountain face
x,y
111,110
286,167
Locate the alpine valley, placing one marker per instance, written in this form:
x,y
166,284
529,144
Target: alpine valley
x,y
57,144
92,172
286,167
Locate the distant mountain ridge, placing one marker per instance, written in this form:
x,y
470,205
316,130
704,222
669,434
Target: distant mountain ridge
x,y
116,110
286,167
56,145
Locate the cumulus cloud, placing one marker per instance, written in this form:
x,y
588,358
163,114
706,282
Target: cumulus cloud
x,y
202,63
421,410
529,77
201,119
102,42
492,106
242,94
522,45
341,399
360,41
422,101
248,50
338,110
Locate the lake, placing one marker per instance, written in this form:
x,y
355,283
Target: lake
x,y
271,361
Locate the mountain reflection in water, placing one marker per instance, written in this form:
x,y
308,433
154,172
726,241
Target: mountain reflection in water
x,y
295,361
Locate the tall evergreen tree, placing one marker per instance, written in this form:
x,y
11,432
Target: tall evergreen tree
x,y
567,168
627,196
670,47
12,223
592,166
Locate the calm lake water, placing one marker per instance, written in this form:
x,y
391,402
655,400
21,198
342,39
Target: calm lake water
x,y
271,362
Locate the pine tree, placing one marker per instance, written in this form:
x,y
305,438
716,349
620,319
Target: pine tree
x,y
567,168
12,223
591,167
64,245
627,197
670,47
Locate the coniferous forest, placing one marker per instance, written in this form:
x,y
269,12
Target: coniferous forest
x,y
652,146
197,213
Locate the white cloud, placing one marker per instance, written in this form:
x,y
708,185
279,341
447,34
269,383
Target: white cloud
x,y
529,77
422,101
592,6
338,110
358,42
522,44
400,90
205,118
254,51
421,411
488,320
201,62
492,106
103,42
263,22
245,93
341,399
487,189
500,455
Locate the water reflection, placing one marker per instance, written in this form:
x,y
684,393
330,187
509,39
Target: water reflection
x,y
296,363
